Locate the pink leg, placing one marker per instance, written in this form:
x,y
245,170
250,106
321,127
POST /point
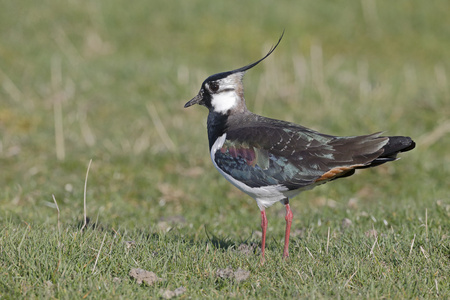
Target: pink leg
x,y
288,218
264,229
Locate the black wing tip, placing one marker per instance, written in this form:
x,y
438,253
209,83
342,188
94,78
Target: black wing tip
x,y
399,144
411,146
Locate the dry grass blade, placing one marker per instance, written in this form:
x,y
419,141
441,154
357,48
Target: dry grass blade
x,y
348,281
57,209
23,238
412,244
437,288
310,254
86,131
328,239
373,246
84,198
10,88
370,14
425,254
160,127
429,138
98,253
56,75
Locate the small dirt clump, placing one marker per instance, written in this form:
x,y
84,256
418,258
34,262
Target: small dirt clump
x,y
142,275
228,273
168,294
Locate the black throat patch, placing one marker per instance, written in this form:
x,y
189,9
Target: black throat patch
x,y
217,126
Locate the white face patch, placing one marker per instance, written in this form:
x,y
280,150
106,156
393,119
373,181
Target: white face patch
x,y
226,97
224,101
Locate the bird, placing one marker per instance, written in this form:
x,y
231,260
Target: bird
x,y
273,160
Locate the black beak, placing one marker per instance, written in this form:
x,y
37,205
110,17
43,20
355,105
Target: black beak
x,y
196,100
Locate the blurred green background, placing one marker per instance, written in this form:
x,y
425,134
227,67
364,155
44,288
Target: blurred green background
x,y
343,68
107,81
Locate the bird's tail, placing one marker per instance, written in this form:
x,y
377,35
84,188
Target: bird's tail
x,y
395,145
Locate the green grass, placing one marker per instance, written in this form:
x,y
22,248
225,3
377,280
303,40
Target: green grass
x,y
344,68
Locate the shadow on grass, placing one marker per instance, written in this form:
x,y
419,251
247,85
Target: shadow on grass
x,y
221,243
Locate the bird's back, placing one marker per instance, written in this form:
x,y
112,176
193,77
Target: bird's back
x,y
260,152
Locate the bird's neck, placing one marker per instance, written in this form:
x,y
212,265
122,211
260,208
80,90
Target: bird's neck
x,y
217,126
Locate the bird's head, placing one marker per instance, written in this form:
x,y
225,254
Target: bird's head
x,y
224,92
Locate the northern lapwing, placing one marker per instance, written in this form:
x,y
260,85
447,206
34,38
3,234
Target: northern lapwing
x,y
273,160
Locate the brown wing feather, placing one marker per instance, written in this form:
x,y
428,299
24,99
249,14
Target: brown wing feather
x,y
337,172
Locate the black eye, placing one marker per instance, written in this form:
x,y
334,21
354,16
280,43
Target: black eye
x,y
213,86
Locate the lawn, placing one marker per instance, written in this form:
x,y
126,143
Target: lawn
x,y
107,80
